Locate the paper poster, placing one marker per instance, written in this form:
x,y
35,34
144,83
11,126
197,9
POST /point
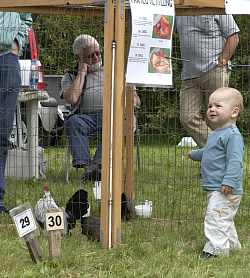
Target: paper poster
x,y
149,62
237,6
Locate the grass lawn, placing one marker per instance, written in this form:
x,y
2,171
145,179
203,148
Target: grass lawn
x,y
167,245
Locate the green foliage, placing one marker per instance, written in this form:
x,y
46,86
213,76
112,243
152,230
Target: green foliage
x,y
159,112
240,76
56,35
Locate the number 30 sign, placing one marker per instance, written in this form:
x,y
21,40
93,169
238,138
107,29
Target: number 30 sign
x,y
54,221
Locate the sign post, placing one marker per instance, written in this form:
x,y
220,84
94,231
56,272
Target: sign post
x,y
54,226
27,229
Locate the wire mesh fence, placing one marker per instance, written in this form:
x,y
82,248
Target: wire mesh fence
x,y
166,175
163,173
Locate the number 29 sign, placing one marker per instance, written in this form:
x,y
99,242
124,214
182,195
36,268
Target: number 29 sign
x,y
25,222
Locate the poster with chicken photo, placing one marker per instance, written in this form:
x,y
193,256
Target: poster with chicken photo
x,y
149,60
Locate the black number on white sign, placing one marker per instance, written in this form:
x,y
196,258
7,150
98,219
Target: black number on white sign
x,y
25,222
55,221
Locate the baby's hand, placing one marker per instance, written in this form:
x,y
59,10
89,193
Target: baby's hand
x,y
225,189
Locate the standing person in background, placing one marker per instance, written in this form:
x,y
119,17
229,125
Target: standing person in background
x,y
13,34
207,44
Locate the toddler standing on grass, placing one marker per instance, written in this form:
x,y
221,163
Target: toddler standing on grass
x,y
222,171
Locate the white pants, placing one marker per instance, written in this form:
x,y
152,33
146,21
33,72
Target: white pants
x,y
219,225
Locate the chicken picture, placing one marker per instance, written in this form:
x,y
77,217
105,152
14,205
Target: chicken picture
x,y
162,27
159,61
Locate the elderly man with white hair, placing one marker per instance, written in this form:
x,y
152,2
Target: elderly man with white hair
x,y
83,89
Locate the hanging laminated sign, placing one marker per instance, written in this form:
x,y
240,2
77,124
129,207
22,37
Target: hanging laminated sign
x,y
237,6
149,60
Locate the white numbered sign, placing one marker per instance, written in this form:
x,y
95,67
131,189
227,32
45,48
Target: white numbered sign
x,y
25,222
54,221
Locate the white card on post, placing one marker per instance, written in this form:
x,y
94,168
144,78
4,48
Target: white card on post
x,y
54,221
25,222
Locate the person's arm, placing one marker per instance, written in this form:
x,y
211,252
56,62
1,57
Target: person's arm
x,y
73,93
229,49
229,31
196,154
136,98
234,163
26,22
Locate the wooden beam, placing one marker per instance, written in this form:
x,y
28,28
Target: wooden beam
x,y
67,3
118,122
200,3
199,11
76,7
199,7
106,127
34,249
55,241
94,11
48,10
35,3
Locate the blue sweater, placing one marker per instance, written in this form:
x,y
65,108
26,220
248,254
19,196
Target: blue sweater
x,y
222,160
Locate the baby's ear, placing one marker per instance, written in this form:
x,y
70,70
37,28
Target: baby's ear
x,y
236,112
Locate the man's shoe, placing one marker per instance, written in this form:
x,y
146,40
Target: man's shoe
x,y
77,166
206,255
94,175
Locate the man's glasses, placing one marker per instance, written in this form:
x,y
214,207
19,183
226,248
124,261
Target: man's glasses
x,y
94,54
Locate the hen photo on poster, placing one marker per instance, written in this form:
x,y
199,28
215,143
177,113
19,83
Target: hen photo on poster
x,y
162,26
159,61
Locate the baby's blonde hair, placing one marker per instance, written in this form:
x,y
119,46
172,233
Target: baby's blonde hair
x,y
236,95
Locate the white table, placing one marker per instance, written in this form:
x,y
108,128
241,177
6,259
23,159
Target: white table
x,y
31,100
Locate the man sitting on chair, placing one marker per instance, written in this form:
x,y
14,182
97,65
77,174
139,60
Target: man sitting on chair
x,y
83,89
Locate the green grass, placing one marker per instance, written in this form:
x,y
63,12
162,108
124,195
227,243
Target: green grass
x,y
167,245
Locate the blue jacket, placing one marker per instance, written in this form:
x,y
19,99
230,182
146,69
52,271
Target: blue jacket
x,y
222,160
13,26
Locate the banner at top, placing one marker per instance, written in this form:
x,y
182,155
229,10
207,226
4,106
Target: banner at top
x,y
237,6
149,62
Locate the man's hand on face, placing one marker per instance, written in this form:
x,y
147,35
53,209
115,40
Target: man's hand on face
x,y
83,67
